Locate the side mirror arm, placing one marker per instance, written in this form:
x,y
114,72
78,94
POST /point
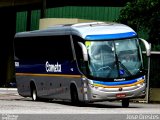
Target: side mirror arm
x,y
147,46
84,51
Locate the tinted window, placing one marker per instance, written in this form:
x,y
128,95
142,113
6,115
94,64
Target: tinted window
x,y
44,48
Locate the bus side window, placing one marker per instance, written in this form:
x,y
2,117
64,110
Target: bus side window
x,y
44,48
21,47
60,48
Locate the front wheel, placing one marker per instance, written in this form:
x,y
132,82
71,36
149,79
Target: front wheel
x,y
74,95
125,103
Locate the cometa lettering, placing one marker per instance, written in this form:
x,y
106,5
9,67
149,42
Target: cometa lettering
x,y
53,67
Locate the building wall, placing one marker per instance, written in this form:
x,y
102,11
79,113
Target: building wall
x,y
81,12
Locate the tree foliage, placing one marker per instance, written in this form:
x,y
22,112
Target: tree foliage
x,y
143,14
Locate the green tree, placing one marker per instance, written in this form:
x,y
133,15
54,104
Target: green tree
x,y
143,14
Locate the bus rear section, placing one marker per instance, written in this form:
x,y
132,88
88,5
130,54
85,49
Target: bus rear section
x,y
45,66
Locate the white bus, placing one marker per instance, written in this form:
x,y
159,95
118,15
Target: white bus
x,y
84,62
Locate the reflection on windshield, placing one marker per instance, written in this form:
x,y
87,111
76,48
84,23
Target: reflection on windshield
x,y
113,59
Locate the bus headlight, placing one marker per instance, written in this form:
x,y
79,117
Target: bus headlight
x,y
90,82
139,84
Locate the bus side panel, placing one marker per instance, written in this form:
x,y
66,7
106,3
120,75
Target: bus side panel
x,y
23,85
51,87
59,87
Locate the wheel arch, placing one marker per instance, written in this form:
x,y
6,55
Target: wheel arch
x,y
73,86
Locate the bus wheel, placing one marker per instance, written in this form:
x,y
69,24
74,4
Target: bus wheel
x,y
74,95
125,103
34,94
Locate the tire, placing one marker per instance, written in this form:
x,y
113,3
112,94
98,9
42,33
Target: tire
x,y
74,95
125,103
34,94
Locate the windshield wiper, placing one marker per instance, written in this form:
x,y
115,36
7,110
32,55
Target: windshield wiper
x,y
120,63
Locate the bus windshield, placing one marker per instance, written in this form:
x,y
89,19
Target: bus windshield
x,y
114,58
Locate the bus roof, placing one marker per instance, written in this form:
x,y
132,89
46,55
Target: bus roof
x,y
88,31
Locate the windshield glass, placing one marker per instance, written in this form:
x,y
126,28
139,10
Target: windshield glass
x,y
114,59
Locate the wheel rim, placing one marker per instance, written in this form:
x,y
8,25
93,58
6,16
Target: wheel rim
x,y
34,96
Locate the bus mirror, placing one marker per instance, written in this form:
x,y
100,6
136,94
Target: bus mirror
x,y
84,51
147,46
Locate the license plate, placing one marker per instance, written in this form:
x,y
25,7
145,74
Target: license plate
x,y
121,95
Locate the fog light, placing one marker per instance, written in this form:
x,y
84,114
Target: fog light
x,y
94,96
138,85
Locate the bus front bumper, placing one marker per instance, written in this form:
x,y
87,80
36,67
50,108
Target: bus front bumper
x,y
101,94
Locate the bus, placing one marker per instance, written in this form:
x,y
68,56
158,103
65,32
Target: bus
x,y
82,62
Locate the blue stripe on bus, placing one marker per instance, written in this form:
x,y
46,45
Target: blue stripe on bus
x,y
110,36
115,83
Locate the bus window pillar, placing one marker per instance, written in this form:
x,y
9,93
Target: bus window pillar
x,y
85,89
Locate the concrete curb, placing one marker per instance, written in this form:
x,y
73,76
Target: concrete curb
x,y
8,89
